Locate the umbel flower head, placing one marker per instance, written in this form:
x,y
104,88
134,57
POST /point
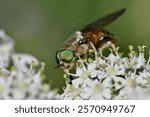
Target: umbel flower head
x,y
111,77
21,74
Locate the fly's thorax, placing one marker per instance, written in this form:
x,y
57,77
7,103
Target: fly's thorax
x,y
76,43
73,41
81,45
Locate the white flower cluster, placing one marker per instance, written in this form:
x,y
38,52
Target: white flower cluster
x,y
112,77
21,74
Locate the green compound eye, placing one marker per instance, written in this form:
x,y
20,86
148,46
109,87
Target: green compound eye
x,y
67,56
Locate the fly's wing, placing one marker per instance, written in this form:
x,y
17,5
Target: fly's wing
x,y
103,22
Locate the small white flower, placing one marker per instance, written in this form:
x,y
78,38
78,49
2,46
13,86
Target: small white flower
x,y
144,78
24,62
92,69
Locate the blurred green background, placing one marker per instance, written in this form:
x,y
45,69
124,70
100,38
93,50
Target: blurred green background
x,y
39,27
